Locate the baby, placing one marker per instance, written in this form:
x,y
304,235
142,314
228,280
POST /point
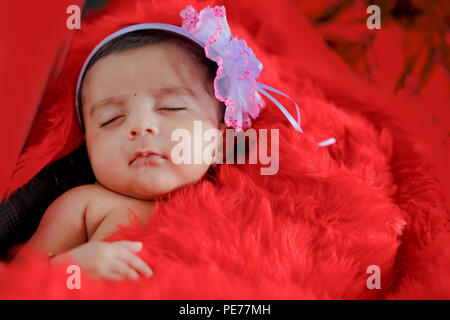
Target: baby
x,y
137,89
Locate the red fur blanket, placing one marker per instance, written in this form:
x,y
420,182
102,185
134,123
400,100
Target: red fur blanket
x,y
309,232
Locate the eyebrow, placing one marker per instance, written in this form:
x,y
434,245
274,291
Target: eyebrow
x,y
158,94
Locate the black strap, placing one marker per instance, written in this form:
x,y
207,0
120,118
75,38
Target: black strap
x,y
21,213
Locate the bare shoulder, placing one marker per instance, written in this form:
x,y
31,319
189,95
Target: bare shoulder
x,y
82,190
95,198
92,191
74,201
70,203
79,195
62,226
102,200
67,212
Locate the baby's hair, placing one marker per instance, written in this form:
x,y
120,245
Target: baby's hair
x,y
141,38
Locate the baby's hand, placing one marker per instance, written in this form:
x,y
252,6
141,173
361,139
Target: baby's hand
x,y
115,261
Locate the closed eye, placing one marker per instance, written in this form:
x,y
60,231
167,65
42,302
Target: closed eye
x,y
162,108
172,109
108,122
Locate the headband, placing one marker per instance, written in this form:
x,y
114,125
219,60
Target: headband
x,y
235,83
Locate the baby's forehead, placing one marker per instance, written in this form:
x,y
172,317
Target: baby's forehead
x,y
162,56
157,64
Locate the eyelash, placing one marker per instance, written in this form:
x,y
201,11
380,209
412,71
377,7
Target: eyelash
x,y
173,109
108,122
168,109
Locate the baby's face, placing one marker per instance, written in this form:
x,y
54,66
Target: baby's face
x,y
133,101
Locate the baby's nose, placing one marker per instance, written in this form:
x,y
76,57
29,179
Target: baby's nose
x,y
141,127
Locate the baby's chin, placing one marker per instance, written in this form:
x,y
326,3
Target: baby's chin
x,y
152,186
146,191
150,195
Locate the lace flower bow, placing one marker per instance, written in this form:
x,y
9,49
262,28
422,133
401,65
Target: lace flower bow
x,y
238,68
235,83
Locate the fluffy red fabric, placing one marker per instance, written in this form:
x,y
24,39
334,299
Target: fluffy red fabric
x,y
309,231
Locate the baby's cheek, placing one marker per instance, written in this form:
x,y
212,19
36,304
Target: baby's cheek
x,y
189,173
104,162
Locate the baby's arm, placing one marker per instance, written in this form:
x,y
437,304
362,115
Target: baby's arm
x,y
62,234
62,226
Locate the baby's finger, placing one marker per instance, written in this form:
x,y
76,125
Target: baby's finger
x,y
123,270
134,246
135,262
110,275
